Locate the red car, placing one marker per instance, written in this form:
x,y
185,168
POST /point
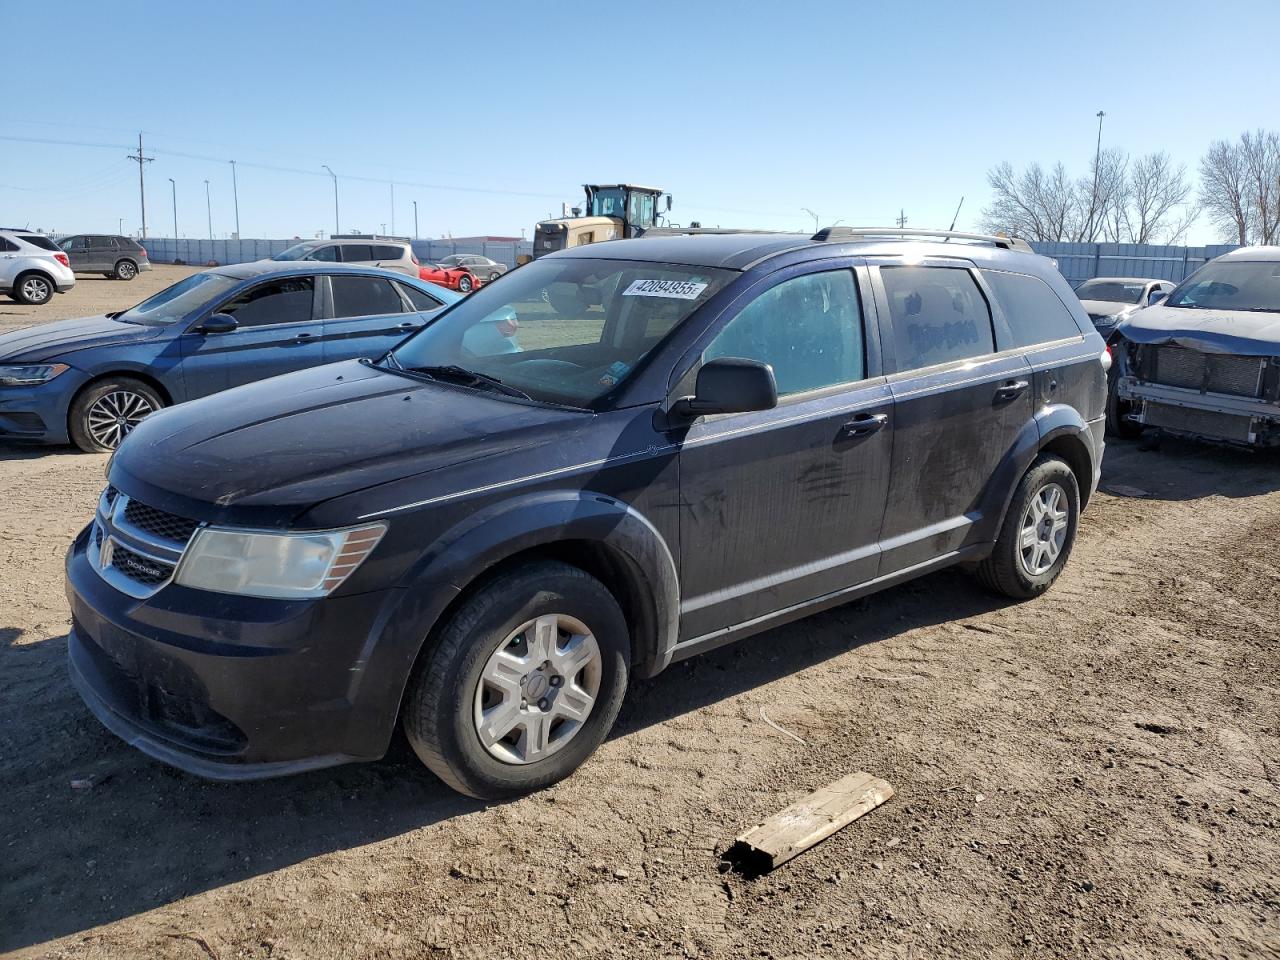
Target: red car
x,y
455,278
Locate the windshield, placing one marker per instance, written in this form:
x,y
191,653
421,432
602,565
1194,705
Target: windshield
x,y
1252,285
176,302
298,251
564,330
609,203
1114,291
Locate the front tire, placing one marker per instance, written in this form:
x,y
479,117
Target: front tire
x,y
465,284
1038,533
33,289
522,683
126,270
104,413
1118,410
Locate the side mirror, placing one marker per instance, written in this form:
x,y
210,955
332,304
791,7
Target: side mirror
x,y
730,385
1157,296
219,323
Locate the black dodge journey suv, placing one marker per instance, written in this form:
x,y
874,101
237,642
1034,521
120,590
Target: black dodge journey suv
x,y
608,460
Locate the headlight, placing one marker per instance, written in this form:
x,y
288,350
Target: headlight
x,y
29,374
287,566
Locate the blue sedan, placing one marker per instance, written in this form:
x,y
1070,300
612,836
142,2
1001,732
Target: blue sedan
x,y
91,381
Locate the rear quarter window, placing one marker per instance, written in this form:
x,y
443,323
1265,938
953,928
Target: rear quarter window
x,y
386,252
44,243
1033,310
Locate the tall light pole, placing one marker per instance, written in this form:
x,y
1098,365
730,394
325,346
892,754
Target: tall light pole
x,y
174,185
208,208
1097,164
415,219
815,218
336,229
120,226
235,193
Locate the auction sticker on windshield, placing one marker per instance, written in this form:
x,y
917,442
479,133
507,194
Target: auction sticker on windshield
x,y
676,289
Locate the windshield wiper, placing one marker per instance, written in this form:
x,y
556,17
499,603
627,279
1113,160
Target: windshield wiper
x,y
452,373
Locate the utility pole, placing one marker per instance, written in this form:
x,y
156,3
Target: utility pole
x,y
235,193
393,207
415,219
815,218
1097,166
120,226
208,208
335,198
173,183
902,219
140,159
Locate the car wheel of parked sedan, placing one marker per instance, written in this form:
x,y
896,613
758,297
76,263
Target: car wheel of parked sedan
x,y
464,283
494,276
34,289
521,684
126,270
1038,533
104,413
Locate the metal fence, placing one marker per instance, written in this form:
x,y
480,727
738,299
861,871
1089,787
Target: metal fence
x,y
202,252
1083,261
1077,261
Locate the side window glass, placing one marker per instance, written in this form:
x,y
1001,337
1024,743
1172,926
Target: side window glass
x,y
421,301
281,301
364,297
1034,312
7,245
938,314
809,329
356,253
327,254
384,252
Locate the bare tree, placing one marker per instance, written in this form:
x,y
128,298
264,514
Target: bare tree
x,y
1123,201
1240,187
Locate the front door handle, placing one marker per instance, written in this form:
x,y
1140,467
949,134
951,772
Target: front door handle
x,y
863,425
1010,389
304,337
410,326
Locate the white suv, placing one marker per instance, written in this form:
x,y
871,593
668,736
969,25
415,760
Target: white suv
x,y
366,250
32,268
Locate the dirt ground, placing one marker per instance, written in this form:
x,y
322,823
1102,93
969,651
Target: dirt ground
x,y
1091,774
91,295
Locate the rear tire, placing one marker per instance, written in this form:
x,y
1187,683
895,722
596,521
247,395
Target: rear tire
x,y
453,692
494,276
33,289
125,270
100,403
1032,548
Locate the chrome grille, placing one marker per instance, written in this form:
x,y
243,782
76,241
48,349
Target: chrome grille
x,y
136,547
166,526
1212,372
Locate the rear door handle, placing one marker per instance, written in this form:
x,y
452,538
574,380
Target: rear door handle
x,y
1010,389
863,425
410,326
304,337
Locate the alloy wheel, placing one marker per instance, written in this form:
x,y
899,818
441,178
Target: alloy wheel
x,y
127,270
538,689
114,415
36,290
1043,531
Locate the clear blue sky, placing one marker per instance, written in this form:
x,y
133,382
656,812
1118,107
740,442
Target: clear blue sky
x,y
745,111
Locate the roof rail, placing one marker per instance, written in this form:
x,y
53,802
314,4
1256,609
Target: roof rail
x,y
683,231
869,233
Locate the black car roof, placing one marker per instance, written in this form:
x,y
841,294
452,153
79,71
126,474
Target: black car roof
x,y
740,251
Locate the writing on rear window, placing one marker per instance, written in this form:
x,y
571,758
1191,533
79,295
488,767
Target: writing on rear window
x,y
676,289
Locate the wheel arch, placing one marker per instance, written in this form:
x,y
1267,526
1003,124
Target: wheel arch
x,y
139,375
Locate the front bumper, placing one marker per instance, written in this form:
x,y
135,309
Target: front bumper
x,y
228,687
39,413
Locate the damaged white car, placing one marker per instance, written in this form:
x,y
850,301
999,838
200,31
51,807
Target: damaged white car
x,y
1205,363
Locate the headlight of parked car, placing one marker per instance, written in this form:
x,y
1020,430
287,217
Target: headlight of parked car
x,y
287,566
29,374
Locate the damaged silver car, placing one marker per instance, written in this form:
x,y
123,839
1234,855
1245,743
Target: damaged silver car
x,y
1205,363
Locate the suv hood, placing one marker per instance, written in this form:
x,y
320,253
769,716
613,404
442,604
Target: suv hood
x,y
49,341
266,452
1239,332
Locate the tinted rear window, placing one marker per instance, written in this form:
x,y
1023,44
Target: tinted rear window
x,y
1034,312
385,252
364,297
44,243
939,315
356,253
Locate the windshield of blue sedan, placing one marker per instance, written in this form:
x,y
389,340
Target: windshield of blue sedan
x,y
1250,285
176,302
563,330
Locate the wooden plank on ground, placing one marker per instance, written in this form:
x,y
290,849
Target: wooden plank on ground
x,y
792,831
